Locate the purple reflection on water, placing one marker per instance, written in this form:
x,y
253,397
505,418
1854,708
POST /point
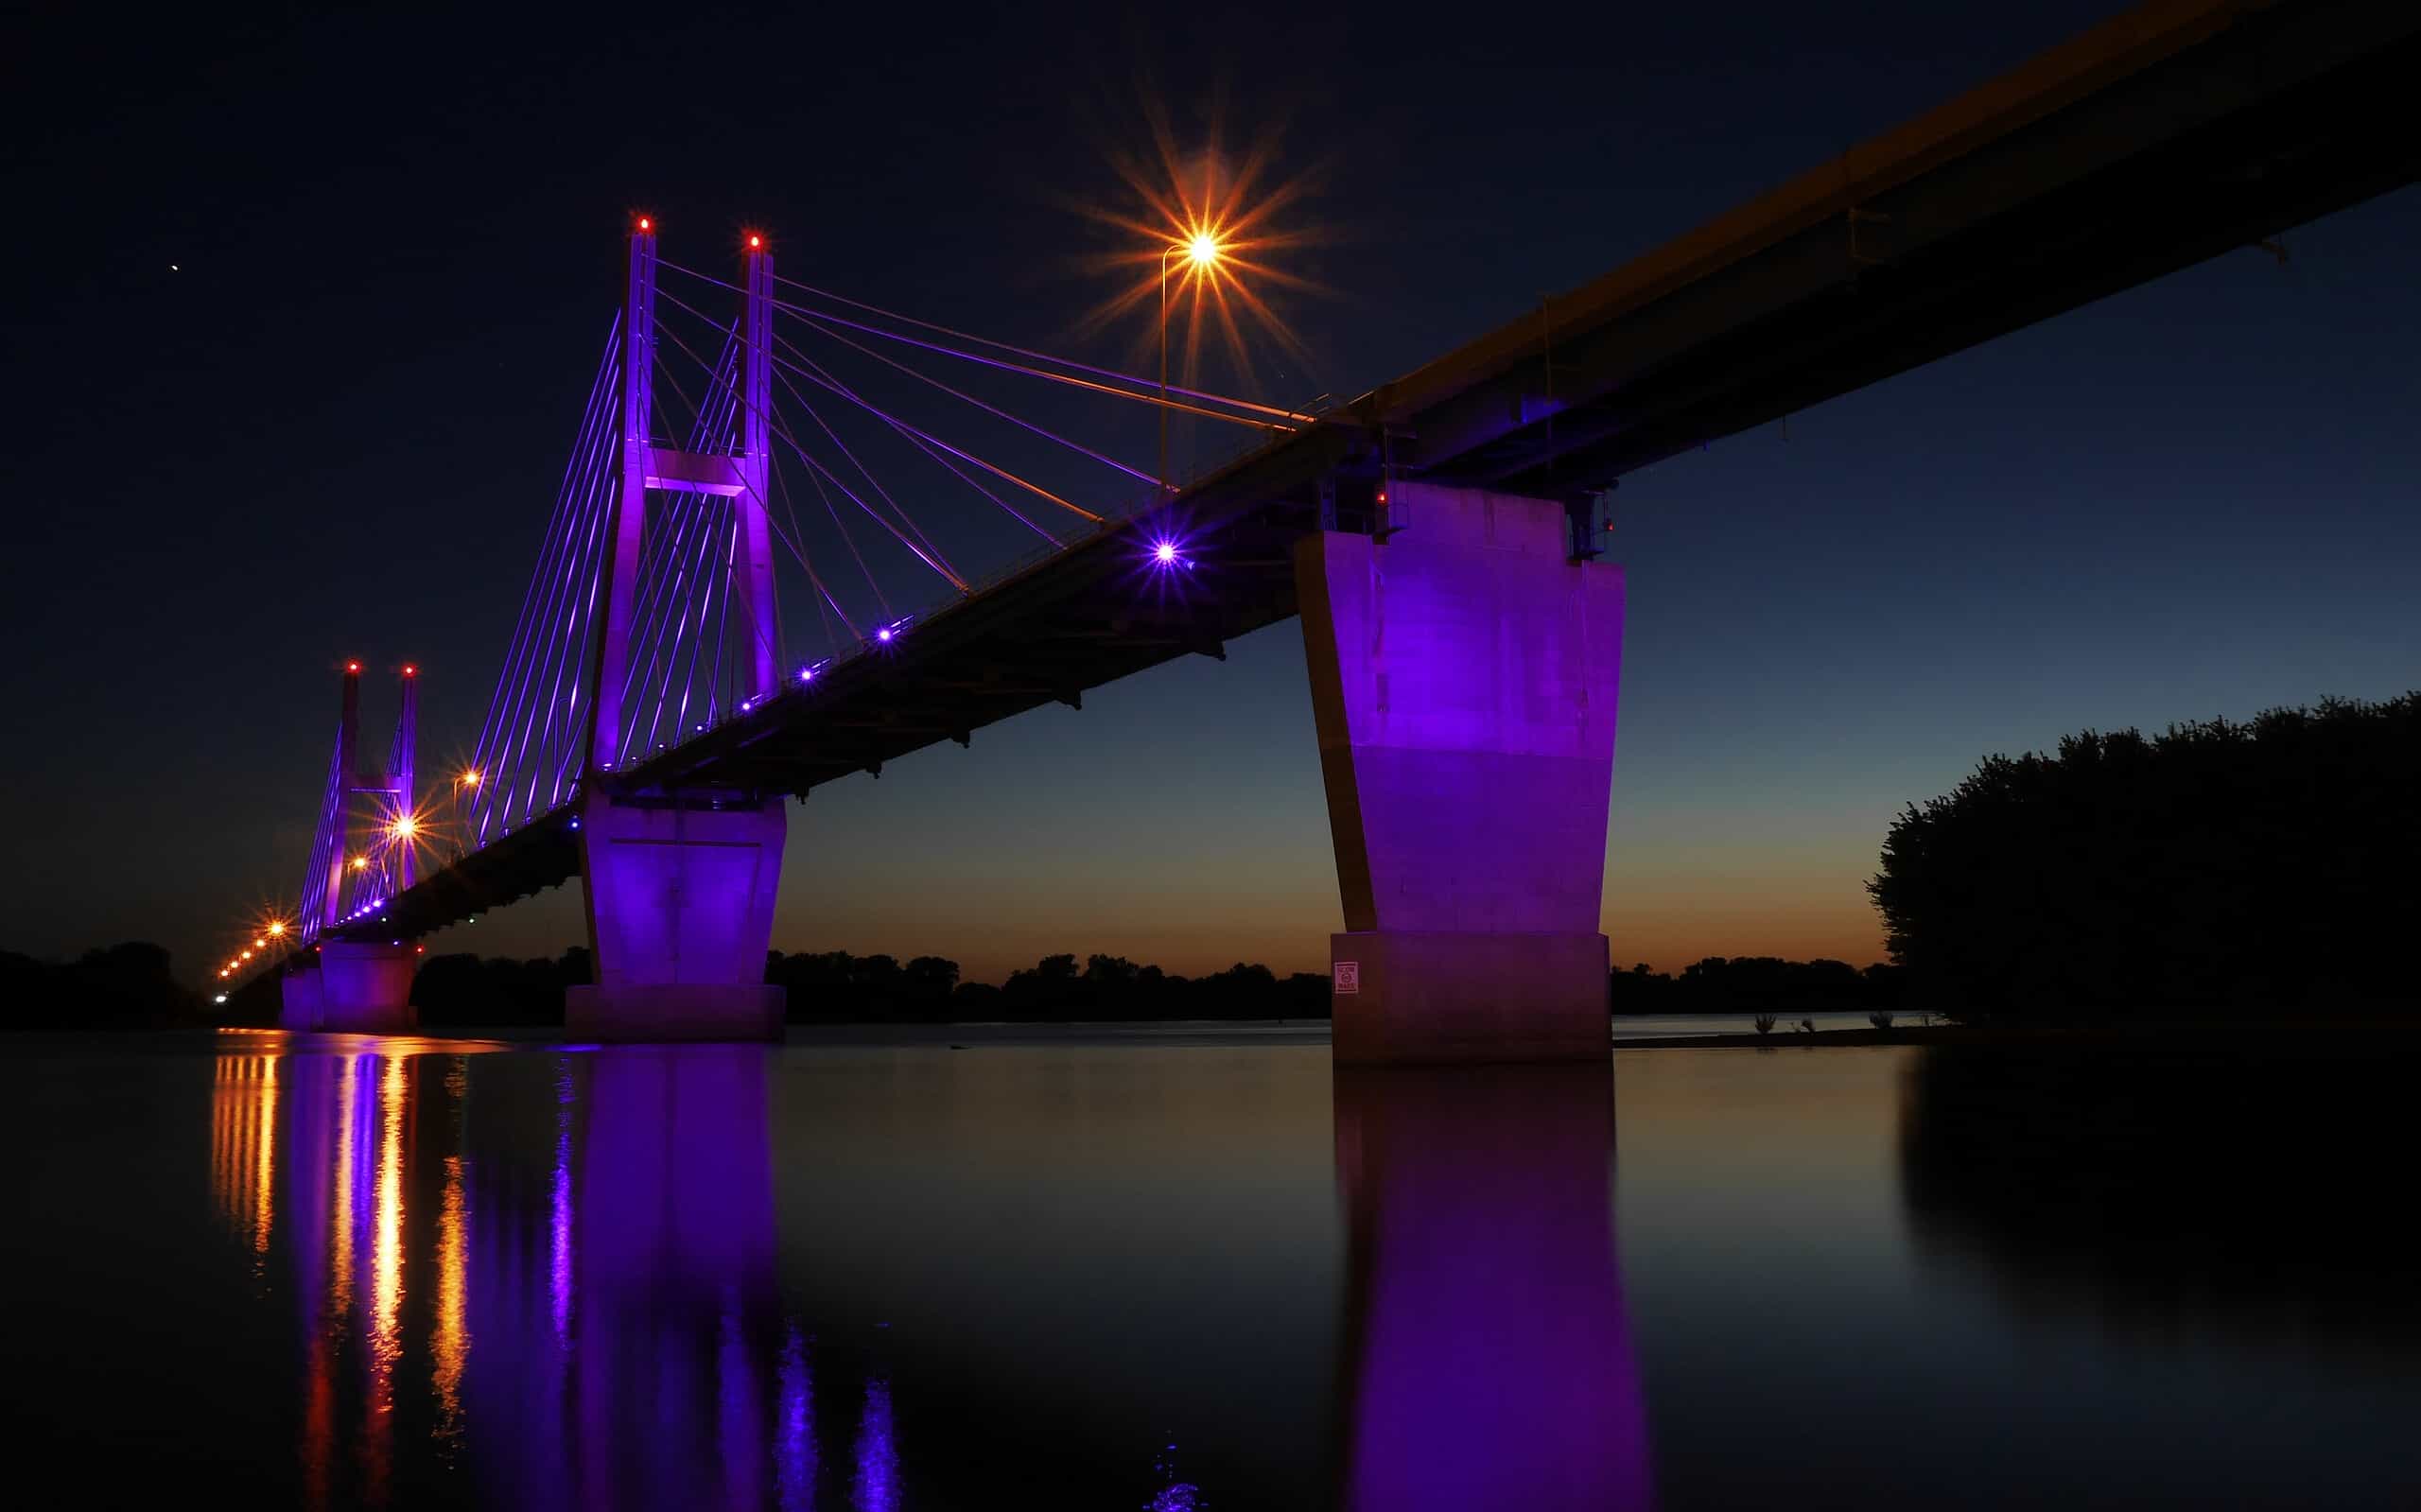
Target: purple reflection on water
x,y
1176,1495
1489,1360
674,1240
877,1486
739,1402
559,1225
795,1428
603,1326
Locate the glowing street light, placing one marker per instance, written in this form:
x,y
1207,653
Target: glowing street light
x,y
404,828
361,864
1202,252
276,928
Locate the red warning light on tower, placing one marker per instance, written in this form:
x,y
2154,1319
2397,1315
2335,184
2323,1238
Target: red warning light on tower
x,y
646,224
410,670
755,242
353,667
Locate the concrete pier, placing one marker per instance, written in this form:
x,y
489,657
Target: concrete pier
x,y
680,917
354,989
1464,677
300,998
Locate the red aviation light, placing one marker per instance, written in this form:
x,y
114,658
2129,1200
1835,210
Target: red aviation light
x,y
646,224
353,667
409,670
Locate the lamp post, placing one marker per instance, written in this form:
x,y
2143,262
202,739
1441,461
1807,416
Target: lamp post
x,y
469,778
1201,250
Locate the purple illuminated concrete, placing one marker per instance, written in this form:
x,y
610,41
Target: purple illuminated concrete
x,y
1464,676
680,917
629,532
299,999
1489,1361
355,989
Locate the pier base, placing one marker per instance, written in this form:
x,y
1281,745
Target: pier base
x,y
1418,997
672,1011
1464,674
681,895
355,989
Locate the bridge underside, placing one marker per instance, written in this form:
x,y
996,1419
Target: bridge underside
x,y
2161,139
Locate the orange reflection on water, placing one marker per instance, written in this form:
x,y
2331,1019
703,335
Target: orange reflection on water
x,y
387,1239
243,1136
451,1344
386,1279
341,1236
265,1137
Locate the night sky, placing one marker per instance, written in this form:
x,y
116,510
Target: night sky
x,y
301,316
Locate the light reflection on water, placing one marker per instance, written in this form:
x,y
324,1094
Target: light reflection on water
x,y
855,1277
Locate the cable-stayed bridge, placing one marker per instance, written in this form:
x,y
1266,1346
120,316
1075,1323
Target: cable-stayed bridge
x,y
1439,535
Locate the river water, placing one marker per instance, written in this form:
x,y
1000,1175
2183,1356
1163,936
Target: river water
x,y
332,1271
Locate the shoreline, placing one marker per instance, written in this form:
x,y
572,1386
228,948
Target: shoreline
x,y
2270,1036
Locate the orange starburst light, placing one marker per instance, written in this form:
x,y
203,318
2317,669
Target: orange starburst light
x,y
1213,222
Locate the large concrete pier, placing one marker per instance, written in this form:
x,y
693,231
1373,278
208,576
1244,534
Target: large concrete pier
x,y
352,989
1464,673
680,917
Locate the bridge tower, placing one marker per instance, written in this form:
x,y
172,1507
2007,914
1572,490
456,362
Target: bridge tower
x,y
349,986
1463,671
681,881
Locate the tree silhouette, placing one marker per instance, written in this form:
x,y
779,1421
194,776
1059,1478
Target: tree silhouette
x,y
2221,867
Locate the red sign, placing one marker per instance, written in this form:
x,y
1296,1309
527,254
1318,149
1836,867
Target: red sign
x,y
1348,977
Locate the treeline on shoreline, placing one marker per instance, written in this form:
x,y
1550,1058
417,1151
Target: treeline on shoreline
x,y
118,987
834,986
1760,984
2219,870
131,986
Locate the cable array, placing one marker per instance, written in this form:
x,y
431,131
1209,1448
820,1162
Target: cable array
x,y
894,502
534,741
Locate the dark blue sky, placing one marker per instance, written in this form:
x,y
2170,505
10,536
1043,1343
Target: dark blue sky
x,y
334,430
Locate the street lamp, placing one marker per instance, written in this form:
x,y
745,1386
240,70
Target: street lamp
x,y
1201,251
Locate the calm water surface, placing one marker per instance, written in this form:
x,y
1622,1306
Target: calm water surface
x,y
340,1272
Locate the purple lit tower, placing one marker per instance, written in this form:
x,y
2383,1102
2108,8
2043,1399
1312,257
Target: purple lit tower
x,y
363,986
1489,1362
1464,669
680,882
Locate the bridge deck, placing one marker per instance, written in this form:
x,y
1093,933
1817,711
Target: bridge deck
x,y
2169,134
